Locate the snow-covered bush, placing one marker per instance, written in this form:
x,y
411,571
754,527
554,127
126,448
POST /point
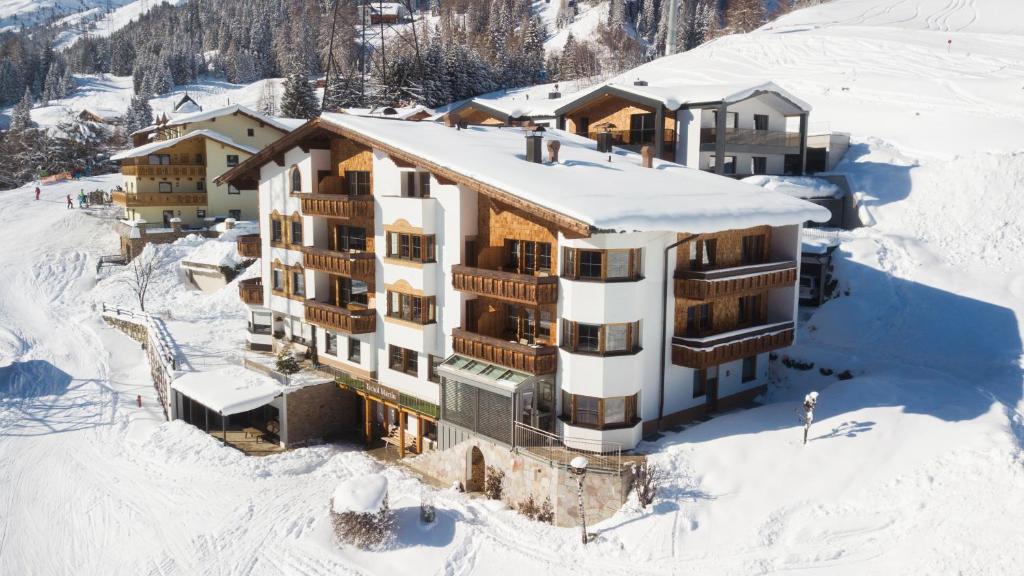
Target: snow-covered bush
x,y
646,478
360,513
543,513
493,483
286,362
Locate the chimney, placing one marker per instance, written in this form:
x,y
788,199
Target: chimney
x,y
647,155
639,82
604,139
229,224
534,136
554,95
553,146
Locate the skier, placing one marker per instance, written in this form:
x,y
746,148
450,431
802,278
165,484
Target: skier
x,y
37,192
70,203
81,198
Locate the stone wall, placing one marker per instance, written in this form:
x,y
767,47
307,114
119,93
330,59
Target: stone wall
x,y
604,494
319,412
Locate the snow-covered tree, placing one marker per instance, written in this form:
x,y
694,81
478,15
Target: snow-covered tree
x,y
139,114
744,15
268,99
298,100
21,118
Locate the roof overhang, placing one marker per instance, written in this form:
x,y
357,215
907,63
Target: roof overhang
x,y
608,90
477,105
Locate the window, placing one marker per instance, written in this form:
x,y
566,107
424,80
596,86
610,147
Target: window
x,y
760,121
159,159
411,308
199,158
749,309
417,185
752,250
433,363
298,283
200,186
233,190
602,265
749,368
527,256
729,166
354,350
702,254
527,325
357,182
760,165
403,360
698,319
165,187
200,213
604,339
296,232
236,214
348,238
424,184
232,160
700,383
593,412
583,126
250,132
296,180
350,291
410,247
331,343
277,280
276,235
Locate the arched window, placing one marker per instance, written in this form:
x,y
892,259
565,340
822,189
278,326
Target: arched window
x,y
296,180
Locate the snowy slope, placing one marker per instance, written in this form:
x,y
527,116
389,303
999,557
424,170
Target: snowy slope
x,y
14,13
914,465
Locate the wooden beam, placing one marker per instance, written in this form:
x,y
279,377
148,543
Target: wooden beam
x,y
401,434
367,424
279,159
401,162
419,434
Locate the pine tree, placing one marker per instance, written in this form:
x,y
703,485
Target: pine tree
x,y
139,114
298,100
21,118
650,16
744,15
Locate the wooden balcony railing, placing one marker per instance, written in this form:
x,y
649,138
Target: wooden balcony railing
x,y
165,170
138,199
249,246
721,348
520,288
751,137
530,359
337,206
734,281
359,265
251,291
341,319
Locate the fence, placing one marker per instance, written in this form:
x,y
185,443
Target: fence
x,y
602,457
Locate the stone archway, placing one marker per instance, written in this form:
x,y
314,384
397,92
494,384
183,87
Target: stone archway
x,y
475,470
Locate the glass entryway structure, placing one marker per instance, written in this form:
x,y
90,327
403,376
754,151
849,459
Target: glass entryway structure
x,y
486,399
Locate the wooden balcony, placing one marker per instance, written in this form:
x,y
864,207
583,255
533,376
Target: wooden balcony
x,y
337,206
735,281
164,170
341,319
522,357
519,288
359,265
251,291
142,199
249,246
730,346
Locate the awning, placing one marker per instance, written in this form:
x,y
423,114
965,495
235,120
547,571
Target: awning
x,y
484,374
229,390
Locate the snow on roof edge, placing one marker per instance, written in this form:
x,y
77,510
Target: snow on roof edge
x,y
161,144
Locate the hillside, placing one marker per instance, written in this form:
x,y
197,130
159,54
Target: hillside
x,y
914,465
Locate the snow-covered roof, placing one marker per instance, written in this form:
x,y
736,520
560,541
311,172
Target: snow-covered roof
x,y
400,113
152,147
214,253
283,124
187,105
673,92
360,494
229,390
797,186
619,194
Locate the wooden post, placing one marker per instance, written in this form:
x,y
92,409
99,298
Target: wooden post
x,y
401,433
419,434
367,423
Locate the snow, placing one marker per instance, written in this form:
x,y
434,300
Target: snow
x,y
284,124
585,185
229,390
913,466
361,495
797,186
221,253
152,147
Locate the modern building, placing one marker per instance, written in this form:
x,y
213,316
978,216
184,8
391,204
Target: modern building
x,y
168,186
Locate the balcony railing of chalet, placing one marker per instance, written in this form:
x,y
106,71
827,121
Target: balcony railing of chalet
x,y
341,319
249,246
729,346
523,357
135,199
751,137
165,170
251,291
707,284
358,265
521,288
637,138
337,205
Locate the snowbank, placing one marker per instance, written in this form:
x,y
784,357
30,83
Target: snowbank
x,y
220,253
796,186
360,495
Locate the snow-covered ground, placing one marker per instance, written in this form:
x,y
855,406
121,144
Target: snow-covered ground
x,y
914,464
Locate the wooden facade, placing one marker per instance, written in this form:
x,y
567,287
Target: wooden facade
x,y
165,171
249,246
710,285
143,199
529,359
359,265
338,206
340,319
251,291
712,352
520,288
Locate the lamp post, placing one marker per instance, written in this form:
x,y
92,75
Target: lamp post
x,y
578,467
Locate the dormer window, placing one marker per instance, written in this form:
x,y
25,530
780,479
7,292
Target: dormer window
x,y
296,180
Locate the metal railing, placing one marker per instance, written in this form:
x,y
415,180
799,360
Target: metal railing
x,y
603,457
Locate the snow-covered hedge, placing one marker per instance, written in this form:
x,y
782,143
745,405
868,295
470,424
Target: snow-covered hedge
x,y
360,513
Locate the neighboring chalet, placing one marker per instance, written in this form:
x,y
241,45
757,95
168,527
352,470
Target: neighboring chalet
x,y
508,296
168,188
